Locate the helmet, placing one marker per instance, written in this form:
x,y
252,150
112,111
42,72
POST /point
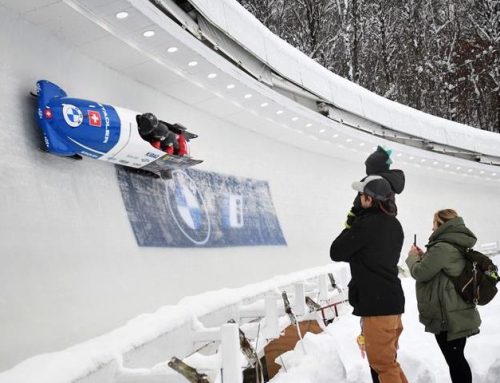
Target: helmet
x,y
147,123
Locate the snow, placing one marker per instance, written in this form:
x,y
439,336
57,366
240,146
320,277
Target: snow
x,y
82,359
289,62
334,355
77,361
318,358
108,350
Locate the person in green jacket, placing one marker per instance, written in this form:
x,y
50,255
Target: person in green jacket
x,y
442,311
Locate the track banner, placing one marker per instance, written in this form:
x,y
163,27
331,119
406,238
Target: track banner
x,y
199,209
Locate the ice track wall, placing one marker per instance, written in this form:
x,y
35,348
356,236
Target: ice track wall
x,y
71,268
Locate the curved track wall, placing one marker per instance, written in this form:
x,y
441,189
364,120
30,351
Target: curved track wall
x,y
71,268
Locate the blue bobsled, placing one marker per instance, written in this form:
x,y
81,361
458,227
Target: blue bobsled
x,y
74,127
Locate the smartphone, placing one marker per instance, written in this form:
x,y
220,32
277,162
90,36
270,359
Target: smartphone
x,y
414,240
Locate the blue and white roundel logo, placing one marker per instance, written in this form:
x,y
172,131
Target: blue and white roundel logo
x,y
72,115
188,207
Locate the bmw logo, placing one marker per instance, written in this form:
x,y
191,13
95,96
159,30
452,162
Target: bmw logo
x,y
72,115
188,208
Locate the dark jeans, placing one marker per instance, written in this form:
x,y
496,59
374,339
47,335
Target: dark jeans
x,y
453,352
374,375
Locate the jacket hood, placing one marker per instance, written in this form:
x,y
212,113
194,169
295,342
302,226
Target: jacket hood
x,y
396,178
453,232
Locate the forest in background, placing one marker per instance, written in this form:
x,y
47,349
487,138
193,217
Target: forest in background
x,y
438,56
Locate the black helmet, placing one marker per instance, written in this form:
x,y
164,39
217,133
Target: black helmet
x,y
147,123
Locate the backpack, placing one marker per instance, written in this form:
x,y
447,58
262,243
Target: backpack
x,y
477,281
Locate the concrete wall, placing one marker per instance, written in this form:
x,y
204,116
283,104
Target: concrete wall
x,y
71,268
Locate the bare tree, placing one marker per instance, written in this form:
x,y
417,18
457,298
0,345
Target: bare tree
x,y
439,56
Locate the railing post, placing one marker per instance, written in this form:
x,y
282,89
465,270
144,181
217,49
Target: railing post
x,y
272,328
300,299
230,345
323,287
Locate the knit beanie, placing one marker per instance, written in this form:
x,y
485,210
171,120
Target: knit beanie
x,y
379,161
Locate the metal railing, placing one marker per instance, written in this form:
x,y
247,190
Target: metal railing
x,y
212,337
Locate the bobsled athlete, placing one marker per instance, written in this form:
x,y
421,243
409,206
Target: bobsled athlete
x,y
158,134
181,139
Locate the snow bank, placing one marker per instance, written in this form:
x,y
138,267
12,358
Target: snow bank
x,y
107,351
334,354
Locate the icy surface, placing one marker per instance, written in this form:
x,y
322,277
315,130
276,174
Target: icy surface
x,y
72,268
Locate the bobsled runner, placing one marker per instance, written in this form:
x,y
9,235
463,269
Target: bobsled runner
x,y
74,128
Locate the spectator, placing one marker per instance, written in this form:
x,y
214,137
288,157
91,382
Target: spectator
x,y
442,311
378,163
372,247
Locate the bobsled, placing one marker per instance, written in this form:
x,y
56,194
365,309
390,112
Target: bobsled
x,y
77,128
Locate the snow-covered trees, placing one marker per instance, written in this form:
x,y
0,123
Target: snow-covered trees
x,y
439,56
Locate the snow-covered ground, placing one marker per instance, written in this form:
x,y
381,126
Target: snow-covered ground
x,y
333,356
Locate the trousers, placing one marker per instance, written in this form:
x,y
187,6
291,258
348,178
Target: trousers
x,y
453,352
381,342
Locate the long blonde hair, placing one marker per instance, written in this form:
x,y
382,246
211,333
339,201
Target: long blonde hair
x,y
444,215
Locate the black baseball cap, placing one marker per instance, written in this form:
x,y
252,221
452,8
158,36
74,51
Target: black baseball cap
x,y
375,186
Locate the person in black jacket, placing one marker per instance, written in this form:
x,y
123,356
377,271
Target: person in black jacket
x,y
372,247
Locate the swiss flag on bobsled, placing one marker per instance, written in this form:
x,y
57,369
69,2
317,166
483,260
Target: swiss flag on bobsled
x,y
94,118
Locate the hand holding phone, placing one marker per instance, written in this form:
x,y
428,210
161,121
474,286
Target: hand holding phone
x,y
415,249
